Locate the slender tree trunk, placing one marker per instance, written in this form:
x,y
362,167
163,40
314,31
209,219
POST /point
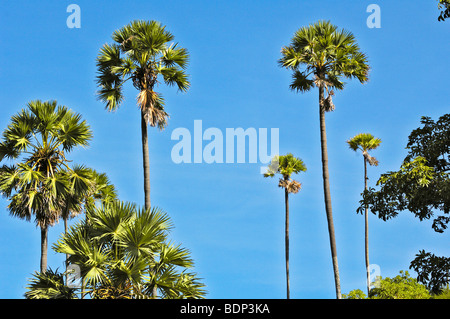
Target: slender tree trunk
x,y
67,255
146,161
326,188
366,230
146,165
286,200
44,245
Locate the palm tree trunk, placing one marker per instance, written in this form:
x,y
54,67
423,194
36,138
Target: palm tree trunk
x,y
67,255
44,245
146,161
326,188
286,200
366,230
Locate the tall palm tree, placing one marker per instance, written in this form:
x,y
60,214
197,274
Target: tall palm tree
x,y
319,56
123,252
286,165
39,137
142,53
366,142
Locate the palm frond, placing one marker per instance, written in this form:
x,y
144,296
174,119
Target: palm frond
x,y
49,285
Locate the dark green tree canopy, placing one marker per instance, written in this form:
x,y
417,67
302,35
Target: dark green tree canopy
x,y
445,6
422,185
433,271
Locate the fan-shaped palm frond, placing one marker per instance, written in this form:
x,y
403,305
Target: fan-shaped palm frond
x,y
365,142
123,249
49,285
320,55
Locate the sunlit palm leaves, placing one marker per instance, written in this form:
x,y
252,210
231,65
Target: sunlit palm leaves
x,y
142,53
122,246
365,142
38,138
49,285
286,165
320,55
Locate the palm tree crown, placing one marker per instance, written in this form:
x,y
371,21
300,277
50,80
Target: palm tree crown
x,y
286,165
40,136
365,142
141,52
326,55
121,248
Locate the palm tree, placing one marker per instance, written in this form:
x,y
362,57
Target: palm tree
x,y
123,252
366,142
39,138
49,285
142,53
286,165
86,187
319,56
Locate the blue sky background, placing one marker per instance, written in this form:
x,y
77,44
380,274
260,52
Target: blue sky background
x,y
228,215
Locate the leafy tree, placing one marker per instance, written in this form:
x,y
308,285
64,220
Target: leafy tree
x,y
355,294
38,138
443,294
142,53
445,13
365,142
286,165
422,185
400,287
123,252
320,55
433,271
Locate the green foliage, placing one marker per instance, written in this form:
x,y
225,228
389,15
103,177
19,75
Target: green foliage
x,y
422,185
443,294
286,165
123,250
320,55
433,271
400,287
142,53
38,138
431,141
444,4
363,142
49,285
355,294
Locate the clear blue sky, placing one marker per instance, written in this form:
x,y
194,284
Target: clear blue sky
x,y
228,215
